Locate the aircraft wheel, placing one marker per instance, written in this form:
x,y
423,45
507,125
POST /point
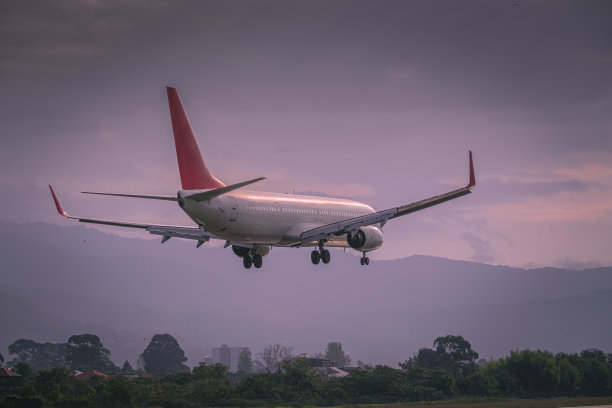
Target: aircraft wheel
x,y
362,261
325,256
257,261
315,257
247,261
367,260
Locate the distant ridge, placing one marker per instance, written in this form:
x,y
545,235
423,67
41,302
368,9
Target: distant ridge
x,y
128,289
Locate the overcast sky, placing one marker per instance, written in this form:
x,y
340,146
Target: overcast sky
x,y
378,101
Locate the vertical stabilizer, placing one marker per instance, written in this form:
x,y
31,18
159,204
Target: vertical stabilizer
x,y
194,174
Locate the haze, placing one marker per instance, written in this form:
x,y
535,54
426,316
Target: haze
x,y
58,281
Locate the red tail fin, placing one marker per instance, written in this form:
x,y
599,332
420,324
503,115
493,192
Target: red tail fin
x,y
194,174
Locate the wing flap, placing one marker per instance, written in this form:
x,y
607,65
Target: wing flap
x,y
197,234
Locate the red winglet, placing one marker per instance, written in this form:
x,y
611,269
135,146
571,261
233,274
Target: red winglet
x,y
194,174
57,203
472,176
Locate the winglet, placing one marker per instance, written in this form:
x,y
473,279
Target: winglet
x,y
60,210
472,176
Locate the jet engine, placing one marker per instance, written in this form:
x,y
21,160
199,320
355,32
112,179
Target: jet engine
x,y
367,238
240,251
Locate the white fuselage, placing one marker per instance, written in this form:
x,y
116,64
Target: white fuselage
x,y
256,217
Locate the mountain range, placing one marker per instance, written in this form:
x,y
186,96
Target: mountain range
x,y
57,281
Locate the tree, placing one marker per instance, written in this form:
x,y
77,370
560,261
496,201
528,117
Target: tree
x,y
569,375
211,383
363,365
245,364
163,355
52,384
274,354
258,367
85,352
25,370
536,372
127,368
116,392
596,373
43,356
427,358
299,381
335,353
258,386
478,384
456,355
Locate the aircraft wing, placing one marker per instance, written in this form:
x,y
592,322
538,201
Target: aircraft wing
x,y
351,225
166,231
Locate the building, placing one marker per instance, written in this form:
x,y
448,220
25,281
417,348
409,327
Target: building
x,y
88,374
228,356
324,368
9,378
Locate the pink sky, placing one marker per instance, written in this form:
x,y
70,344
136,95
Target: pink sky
x,y
377,103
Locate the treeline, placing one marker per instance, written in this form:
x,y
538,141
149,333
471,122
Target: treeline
x,y
85,352
449,369
163,355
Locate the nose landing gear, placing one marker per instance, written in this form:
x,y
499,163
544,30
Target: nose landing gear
x,y
315,257
364,259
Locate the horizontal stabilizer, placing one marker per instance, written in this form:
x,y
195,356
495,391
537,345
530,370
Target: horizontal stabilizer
x,y
207,195
150,197
166,231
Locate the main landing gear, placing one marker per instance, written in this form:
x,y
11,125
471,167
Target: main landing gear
x,y
251,256
364,259
248,261
321,255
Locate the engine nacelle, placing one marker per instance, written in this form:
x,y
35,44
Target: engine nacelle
x,y
261,250
367,238
241,251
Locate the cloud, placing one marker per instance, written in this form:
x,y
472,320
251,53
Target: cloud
x,y
591,166
579,191
35,34
482,251
578,265
496,190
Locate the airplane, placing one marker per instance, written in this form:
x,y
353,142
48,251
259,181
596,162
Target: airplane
x,y
252,222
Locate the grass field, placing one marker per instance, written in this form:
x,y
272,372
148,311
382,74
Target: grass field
x,y
498,403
